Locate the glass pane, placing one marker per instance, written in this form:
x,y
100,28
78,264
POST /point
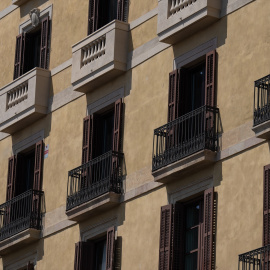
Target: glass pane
x,y
191,261
191,240
192,215
100,248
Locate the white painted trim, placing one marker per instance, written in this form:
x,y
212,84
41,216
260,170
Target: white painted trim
x,y
29,141
7,10
149,15
27,25
61,67
105,101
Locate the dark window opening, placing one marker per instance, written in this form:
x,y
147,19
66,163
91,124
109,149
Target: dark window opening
x,y
107,12
32,49
100,255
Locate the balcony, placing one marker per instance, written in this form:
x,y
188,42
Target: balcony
x,y
189,142
100,57
24,100
258,259
178,19
94,185
261,116
20,220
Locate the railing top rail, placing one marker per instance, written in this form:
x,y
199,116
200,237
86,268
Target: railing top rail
x,y
255,251
21,196
258,82
186,116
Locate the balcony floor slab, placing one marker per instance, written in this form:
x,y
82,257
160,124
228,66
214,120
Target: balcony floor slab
x,y
262,130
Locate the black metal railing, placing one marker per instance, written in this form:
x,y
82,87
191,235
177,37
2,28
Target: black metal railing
x,y
20,213
261,100
92,179
258,259
186,135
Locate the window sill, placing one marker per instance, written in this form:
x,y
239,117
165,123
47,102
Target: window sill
x,y
103,202
24,100
199,160
100,57
19,240
185,22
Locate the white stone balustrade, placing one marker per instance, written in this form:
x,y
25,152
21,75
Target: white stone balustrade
x,y
100,57
178,5
94,50
17,95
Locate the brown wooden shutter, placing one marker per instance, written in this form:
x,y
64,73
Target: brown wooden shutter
x,y
173,103
19,56
208,229
122,10
118,110
87,145
44,46
84,256
110,247
30,266
92,16
166,219
11,178
266,206
37,184
210,78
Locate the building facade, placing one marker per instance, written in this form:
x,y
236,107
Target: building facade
x,y
134,134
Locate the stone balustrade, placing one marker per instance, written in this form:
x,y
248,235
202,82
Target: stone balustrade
x,y
17,95
178,5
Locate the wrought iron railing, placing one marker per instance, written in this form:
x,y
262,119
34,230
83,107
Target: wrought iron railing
x,y
261,100
21,213
258,259
92,179
186,135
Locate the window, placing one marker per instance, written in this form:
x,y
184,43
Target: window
x,y
32,49
97,254
186,234
101,12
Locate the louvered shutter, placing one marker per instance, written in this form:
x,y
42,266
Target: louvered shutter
x,y
92,16
166,219
118,110
30,266
19,56
44,46
84,256
37,184
210,78
11,178
208,229
173,103
87,146
110,247
122,10
266,206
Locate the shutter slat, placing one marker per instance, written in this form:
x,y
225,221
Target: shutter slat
x,y
122,10
87,145
92,16
11,178
208,229
173,100
210,78
110,248
19,56
84,256
44,48
266,206
38,165
118,110
166,219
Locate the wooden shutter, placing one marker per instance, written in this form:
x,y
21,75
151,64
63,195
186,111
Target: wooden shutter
x,y
87,145
30,266
84,256
11,178
110,247
118,110
37,184
122,10
44,45
19,56
166,218
92,16
266,206
173,103
208,229
210,78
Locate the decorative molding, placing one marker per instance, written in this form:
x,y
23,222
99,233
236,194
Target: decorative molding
x,y
61,67
7,10
105,101
29,141
231,7
149,15
3,135
34,16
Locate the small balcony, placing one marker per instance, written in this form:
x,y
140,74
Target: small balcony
x,y
178,19
94,185
258,259
100,57
20,220
261,116
24,100
189,142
